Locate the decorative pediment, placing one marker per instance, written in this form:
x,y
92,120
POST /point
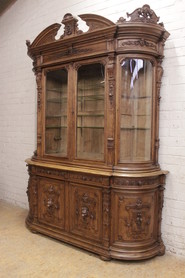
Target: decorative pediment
x,y
70,23
144,15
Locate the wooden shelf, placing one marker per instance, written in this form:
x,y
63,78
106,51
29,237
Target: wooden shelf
x,y
134,97
135,128
56,116
93,127
51,127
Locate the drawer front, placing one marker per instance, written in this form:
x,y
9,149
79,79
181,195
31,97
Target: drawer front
x,y
86,211
51,202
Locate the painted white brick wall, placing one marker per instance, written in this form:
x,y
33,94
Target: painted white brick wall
x,y
25,20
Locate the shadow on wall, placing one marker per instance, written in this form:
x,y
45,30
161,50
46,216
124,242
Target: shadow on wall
x,y
5,5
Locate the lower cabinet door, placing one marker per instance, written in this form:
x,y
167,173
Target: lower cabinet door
x,y
86,211
51,202
134,217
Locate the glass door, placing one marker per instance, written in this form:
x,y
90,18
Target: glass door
x,y
56,112
135,110
90,112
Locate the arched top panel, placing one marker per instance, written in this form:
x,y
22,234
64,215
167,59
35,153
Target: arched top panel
x,y
96,21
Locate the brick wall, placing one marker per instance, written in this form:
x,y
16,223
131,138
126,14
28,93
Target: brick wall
x,y
25,20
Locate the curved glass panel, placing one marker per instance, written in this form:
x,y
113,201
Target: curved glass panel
x,y
135,110
90,112
56,113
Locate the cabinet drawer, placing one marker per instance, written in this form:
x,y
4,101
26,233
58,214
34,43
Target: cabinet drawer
x,y
51,202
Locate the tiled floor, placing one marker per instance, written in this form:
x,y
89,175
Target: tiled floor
x,y
24,254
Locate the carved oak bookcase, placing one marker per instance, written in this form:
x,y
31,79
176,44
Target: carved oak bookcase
x,y
95,181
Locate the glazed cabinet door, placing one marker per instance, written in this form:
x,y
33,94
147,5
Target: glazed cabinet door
x,y
136,110
56,114
86,211
51,202
90,115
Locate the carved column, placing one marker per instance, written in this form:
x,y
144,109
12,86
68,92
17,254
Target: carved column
x,y
158,97
106,217
110,109
38,72
160,207
32,192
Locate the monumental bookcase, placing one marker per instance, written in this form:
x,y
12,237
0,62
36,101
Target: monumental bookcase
x,y
95,181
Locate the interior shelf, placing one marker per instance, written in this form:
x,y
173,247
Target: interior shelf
x,y
51,127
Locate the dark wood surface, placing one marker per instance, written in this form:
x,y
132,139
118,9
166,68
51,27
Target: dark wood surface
x,y
102,192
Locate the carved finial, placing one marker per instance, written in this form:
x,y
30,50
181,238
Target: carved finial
x,y
28,43
71,26
121,20
144,14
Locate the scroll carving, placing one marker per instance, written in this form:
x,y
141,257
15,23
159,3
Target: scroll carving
x,y
144,14
140,42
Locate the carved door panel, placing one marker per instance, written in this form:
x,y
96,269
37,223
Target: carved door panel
x,y
86,211
51,203
134,217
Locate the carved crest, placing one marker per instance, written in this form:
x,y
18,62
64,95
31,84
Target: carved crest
x,y
70,25
144,14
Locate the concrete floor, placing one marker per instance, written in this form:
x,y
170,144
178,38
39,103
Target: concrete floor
x,y
24,254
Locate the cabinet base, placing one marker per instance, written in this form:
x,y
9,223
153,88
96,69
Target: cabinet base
x,y
105,254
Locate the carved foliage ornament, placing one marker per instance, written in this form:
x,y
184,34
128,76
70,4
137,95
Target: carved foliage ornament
x,y
85,210
51,201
